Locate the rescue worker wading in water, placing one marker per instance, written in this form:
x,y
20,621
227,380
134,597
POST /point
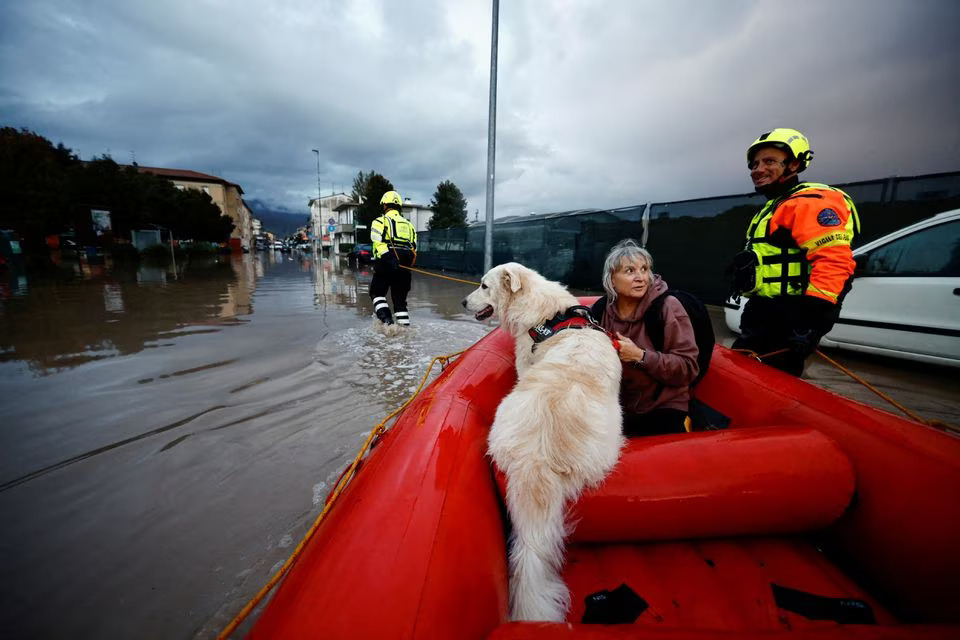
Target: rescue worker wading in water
x,y
394,241
797,264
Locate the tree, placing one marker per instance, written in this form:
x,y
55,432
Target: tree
x,y
360,185
35,202
449,207
47,190
368,188
197,217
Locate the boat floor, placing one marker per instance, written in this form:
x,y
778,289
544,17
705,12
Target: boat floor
x,y
717,588
713,584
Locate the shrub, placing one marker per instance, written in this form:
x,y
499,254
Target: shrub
x,y
124,253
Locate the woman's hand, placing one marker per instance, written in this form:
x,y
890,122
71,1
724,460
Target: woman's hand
x,y
629,351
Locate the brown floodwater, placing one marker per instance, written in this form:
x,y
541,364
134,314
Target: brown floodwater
x,y
166,442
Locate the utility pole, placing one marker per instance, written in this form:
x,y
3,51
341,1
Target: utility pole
x,y
491,140
318,238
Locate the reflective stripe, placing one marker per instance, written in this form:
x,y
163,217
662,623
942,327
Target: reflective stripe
x,y
826,294
402,317
379,303
376,231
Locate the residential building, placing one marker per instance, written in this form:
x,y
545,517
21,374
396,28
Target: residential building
x,y
226,195
346,226
331,222
419,214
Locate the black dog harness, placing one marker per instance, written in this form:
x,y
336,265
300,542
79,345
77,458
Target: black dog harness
x,y
577,317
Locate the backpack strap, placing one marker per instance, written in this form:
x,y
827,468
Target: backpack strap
x,y
599,309
653,320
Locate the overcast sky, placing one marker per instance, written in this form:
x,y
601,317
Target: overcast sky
x,y
600,103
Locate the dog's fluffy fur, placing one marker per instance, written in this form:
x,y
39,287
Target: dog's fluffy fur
x,y
556,432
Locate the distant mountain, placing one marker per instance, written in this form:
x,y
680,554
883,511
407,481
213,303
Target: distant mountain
x,y
277,220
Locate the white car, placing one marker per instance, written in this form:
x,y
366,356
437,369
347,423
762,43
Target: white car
x,y
905,300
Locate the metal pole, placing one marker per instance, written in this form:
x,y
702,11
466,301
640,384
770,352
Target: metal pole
x,y
318,237
173,257
491,140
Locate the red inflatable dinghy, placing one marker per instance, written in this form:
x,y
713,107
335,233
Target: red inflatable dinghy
x,y
806,516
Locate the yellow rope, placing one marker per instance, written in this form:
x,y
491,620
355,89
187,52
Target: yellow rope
x,y
933,423
427,273
337,490
437,275
753,354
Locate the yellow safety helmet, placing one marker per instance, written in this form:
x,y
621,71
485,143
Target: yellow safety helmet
x,y
392,197
790,140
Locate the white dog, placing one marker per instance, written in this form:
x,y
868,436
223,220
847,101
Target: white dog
x,y
556,432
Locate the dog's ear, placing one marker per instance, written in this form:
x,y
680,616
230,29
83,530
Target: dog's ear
x,y
512,278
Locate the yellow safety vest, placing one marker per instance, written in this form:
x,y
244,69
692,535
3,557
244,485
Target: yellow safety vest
x,y
392,230
782,266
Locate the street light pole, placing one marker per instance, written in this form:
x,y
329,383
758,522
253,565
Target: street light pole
x,y
491,141
318,237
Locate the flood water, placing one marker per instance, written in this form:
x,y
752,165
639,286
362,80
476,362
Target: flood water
x,y
166,442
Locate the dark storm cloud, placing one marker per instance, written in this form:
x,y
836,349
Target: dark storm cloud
x,y
599,103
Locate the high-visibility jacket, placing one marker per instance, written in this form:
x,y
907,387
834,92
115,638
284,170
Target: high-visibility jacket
x,y
802,243
392,230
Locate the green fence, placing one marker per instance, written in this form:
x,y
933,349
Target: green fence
x,y
691,241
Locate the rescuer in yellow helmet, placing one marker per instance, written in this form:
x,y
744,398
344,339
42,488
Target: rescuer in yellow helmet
x,y
394,241
797,264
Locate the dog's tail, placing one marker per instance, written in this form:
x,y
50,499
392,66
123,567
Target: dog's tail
x,y
537,499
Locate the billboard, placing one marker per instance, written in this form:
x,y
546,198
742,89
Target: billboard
x,y
101,221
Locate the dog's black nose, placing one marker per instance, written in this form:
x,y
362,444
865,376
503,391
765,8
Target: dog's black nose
x,y
464,303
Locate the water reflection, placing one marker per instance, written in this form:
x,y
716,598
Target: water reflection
x,y
13,283
91,312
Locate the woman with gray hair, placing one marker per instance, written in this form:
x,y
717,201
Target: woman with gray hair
x,y
655,387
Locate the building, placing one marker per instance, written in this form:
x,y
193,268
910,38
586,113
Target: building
x,y
419,214
332,220
226,195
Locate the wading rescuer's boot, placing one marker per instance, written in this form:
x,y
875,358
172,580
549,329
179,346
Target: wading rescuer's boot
x,y
403,318
382,311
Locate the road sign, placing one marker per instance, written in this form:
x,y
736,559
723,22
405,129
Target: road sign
x,y
332,228
331,221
